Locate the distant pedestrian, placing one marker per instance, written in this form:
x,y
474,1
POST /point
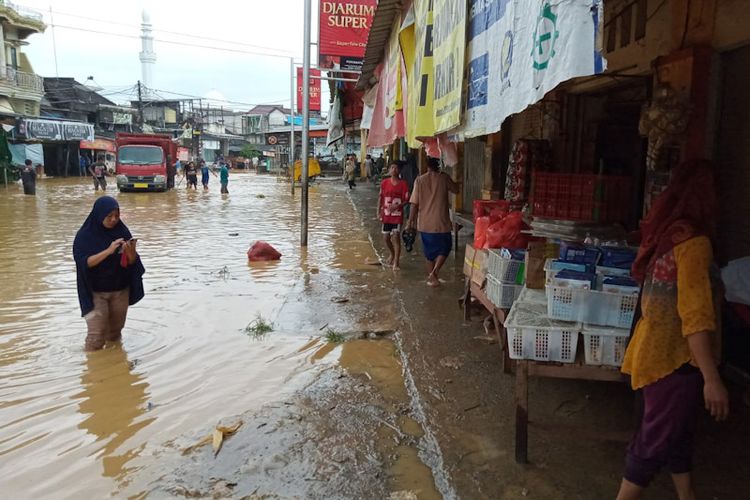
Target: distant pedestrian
x,y
379,164
109,272
224,178
394,195
369,167
83,164
350,173
205,172
99,172
191,174
431,215
28,178
178,165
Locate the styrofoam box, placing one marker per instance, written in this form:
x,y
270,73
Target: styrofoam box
x,y
604,346
505,270
533,336
591,306
501,294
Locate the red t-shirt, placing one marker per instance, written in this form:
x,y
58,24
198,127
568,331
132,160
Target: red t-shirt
x,y
396,196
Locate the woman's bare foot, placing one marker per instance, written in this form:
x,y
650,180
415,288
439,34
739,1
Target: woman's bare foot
x,y
396,267
433,281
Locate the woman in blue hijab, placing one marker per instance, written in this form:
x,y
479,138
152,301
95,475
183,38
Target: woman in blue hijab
x,y
109,272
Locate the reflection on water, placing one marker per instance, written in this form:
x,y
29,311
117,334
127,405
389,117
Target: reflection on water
x,y
111,403
72,422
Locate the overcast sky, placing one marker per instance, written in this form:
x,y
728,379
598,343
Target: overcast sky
x,y
258,26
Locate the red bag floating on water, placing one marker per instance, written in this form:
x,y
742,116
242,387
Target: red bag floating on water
x,y
480,231
507,233
262,251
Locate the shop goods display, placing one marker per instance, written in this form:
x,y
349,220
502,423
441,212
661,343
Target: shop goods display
x,y
533,336
604,346
502,295
506,266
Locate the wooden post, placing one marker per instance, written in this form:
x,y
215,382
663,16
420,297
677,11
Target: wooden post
x,y
522,411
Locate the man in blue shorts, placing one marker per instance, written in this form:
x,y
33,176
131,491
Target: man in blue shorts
x,y
431,216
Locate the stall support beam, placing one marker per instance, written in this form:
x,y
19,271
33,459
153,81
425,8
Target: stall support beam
x,y
522,411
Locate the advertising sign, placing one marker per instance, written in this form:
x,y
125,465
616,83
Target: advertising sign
x,y
344,28
314,90
449,42
521,49
421,82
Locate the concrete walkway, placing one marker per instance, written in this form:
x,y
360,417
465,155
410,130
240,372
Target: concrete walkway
x,y
578,429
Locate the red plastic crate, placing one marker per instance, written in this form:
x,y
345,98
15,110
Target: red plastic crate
x,y
571,197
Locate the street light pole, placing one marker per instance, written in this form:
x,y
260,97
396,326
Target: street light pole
x,y
305,120
291,122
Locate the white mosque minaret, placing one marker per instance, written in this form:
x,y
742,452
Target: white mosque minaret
x,y
148,56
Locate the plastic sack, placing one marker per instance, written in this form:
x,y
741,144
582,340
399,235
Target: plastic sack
x,y
506,233
480,231
262,251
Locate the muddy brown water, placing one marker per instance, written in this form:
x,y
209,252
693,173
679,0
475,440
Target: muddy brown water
x,y
72,422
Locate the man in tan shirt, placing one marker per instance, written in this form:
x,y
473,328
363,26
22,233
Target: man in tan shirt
x,y
431,216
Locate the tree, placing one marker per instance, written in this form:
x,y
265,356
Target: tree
x,y
249,151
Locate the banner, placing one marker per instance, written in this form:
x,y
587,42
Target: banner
x,y
449,42
32,128
421,83
521,49
314,90
343,31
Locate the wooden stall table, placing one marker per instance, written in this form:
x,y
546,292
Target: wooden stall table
x,y
459,222
523,369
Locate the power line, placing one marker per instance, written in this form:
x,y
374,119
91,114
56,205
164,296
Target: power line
x,y
183,44
176,33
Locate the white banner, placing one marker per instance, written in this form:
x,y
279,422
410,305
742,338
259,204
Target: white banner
x,y
521,49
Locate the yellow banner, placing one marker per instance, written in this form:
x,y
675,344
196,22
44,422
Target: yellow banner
x,y
421,86
393,72
449,42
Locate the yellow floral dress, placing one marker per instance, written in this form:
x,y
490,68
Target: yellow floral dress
x,y
676,302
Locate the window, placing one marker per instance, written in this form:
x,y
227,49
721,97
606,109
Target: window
x,y
140,155
13,58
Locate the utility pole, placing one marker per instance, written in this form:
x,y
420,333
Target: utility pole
x,y
305,121
140,106
291,122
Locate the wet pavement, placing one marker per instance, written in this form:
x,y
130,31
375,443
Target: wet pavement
x,y
413,404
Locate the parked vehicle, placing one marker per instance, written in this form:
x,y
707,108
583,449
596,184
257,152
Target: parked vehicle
x,y
144,162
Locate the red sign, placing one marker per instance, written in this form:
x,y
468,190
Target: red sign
x,y
98,145
314,90
344,28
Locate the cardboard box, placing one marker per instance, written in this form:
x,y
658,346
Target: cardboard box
x,y
534,265
475,264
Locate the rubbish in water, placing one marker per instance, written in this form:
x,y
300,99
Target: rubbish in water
x,y
262,251
339,300
373,262
334,337
259,327
261,196
234,234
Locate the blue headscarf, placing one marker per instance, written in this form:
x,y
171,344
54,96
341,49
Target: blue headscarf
x,y
91,239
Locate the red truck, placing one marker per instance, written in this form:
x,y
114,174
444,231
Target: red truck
x,y
145,162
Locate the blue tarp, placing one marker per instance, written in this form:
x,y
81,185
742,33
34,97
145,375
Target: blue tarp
x,y
22,152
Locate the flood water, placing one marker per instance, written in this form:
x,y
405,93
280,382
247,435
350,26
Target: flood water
x,y
73,423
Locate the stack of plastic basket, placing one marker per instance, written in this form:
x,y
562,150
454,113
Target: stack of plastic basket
x,y
606,318
505,278
534,336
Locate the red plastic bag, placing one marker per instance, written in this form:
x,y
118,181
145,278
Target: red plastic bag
x,y
507,233
262,251
480,231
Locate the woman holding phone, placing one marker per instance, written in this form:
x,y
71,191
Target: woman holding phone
x,y
109,272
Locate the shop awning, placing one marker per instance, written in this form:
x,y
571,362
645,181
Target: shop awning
x,y
53,130
99,145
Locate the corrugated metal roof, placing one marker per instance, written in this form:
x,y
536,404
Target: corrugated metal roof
x,y
378,38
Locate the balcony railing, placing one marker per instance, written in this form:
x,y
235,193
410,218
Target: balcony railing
x,y
23,11
21,79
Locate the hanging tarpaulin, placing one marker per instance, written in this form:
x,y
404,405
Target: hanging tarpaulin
x,y
335,120
421,82
27,151
521,49
392,72
449,42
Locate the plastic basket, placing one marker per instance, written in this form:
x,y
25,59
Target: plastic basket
x,y
604,346
501,294
530,296
591,306
505,270
532,335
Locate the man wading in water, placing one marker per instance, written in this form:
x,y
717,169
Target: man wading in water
x,y
431,216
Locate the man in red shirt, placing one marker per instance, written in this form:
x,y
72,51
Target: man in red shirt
x,y
394,195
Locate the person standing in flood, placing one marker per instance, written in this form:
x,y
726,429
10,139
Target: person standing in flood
x,y
99,172
350,172
394,195
109,272
224,178
430,214
205,172
191,174
28,178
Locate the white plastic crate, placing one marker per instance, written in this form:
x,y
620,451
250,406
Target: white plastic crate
x,y
529,295
505,270
604,346
532,335
591,306
501,294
